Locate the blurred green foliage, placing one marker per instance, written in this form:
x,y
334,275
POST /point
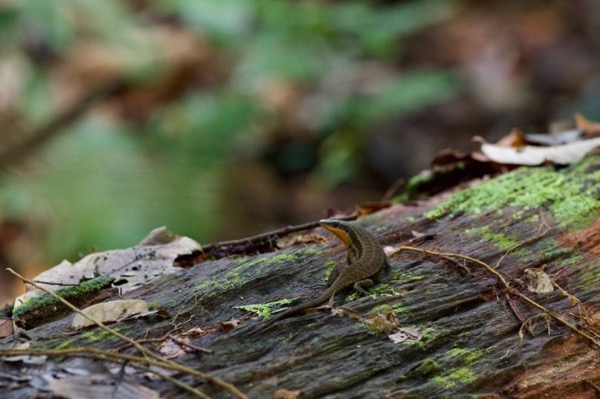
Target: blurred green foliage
x,y
105,183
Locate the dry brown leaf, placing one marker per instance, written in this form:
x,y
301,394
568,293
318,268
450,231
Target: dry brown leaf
x,y
384,324
286,394
229,325
589,128
516,138
7,327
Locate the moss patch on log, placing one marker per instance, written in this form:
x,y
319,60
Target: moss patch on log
x,y
572,194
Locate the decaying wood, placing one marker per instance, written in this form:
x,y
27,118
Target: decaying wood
x,y
478,337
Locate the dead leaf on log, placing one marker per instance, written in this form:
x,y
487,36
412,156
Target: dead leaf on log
x,y
135,265
539,281
172,349
110,312
587,127
558,138
404,334
564,154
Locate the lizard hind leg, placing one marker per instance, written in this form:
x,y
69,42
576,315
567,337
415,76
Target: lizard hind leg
x,y
362,286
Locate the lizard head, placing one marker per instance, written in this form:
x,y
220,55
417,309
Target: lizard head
x,y
338,227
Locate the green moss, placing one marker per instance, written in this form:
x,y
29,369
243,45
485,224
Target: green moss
x,y
463,375
379,289
235,274
466,356
501,241
352,296
445,382
428,335
67,343
330,266
264,309
382,228
398,308
280,258
428,367
460,376
154,305
97,335
404,277
309,251
80,291
571,194
214,284
413,186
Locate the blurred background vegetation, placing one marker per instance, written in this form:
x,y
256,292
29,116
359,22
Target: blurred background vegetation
x,y
223,118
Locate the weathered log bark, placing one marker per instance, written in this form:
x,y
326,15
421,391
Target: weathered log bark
x,y
470,323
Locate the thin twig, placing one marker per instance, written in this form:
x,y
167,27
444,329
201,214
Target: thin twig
x,y
260,238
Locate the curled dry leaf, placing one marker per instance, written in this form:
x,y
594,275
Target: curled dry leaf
x,y
384,324
562,137
587,127
564,154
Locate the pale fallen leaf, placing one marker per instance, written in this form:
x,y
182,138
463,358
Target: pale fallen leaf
x,y
550,139
111,311
404,334
529,155
172,349
136,265
539,281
